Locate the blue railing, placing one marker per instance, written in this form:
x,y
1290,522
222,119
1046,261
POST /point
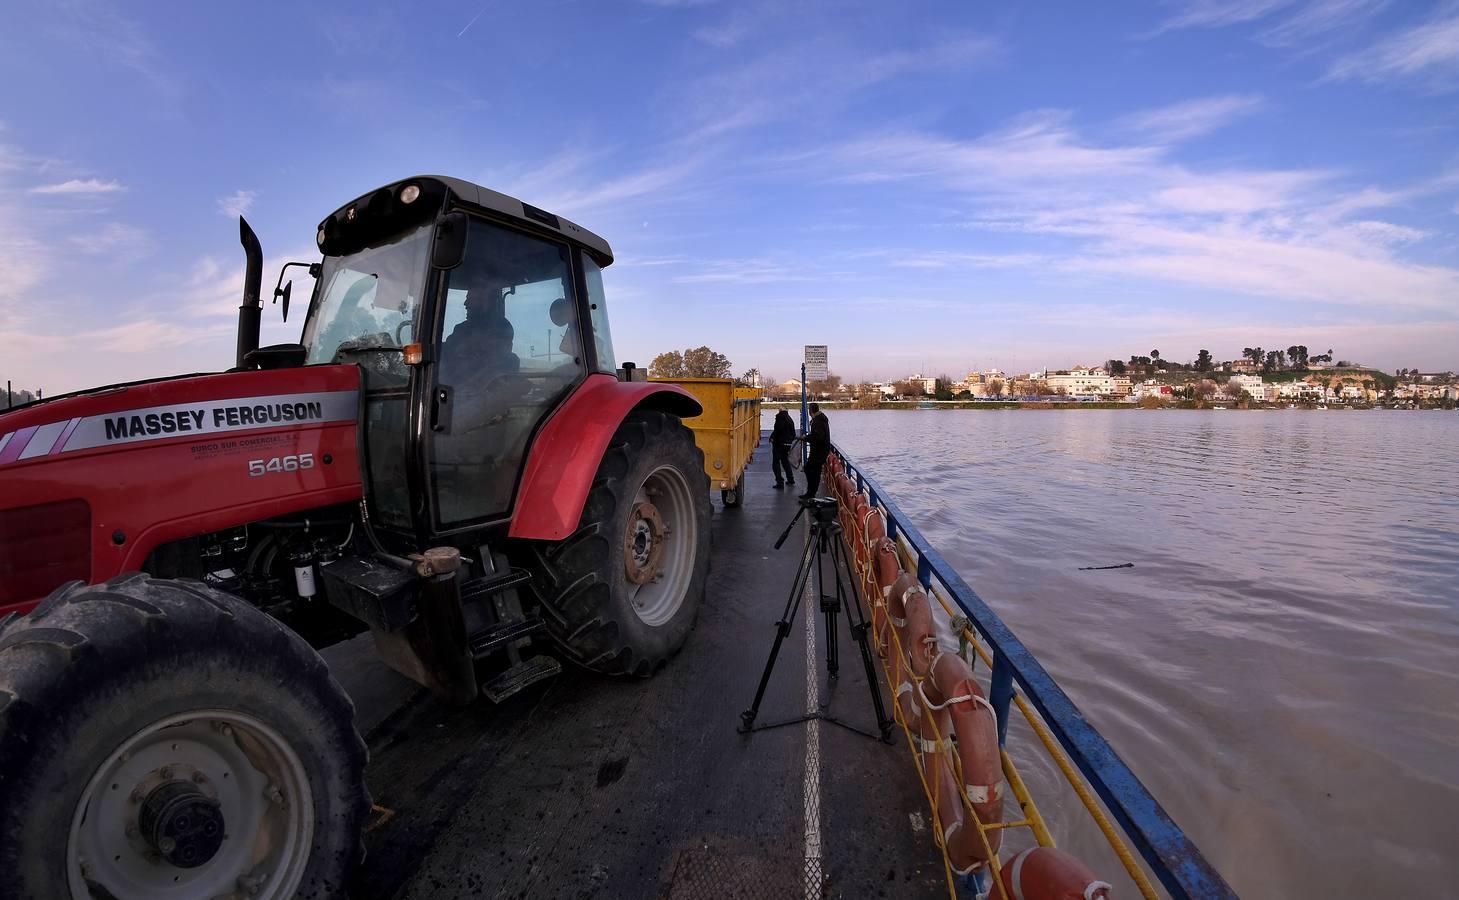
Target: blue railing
x,y
1171,855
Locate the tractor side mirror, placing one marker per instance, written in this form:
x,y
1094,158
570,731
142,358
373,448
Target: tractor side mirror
x,y
449,248
284,299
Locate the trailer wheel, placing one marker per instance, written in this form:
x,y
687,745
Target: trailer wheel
x,y
160,739
620,594
734,496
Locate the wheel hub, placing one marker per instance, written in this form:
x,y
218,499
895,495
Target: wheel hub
x,y
181,823
643,543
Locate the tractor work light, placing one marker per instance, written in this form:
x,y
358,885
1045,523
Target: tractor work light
x,y
409,193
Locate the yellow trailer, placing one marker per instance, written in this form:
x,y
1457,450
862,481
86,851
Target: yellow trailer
x,y
728,431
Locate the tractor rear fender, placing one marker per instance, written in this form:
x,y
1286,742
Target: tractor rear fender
x,y
565,456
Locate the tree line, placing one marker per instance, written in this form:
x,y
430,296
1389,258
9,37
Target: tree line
x,y
1296,356
701,362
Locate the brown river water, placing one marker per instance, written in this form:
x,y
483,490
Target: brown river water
x,y
1281,665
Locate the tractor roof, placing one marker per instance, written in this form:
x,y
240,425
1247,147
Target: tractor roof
x,y
435,191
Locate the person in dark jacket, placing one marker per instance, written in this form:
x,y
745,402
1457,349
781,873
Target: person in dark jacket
x,y
819,440
782,438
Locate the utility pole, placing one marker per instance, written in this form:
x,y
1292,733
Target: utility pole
x,y
9,400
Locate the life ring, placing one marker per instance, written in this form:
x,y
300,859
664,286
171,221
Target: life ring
x,y
886,570
900,669
873,531
919,640
954,704
1047,873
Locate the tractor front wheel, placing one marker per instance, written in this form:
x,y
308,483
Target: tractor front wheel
x,y
160,739
621,593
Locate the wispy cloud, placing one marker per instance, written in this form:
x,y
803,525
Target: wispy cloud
x,y
1040,145
746,271
1192,118
1321,18
1430,50
80,186
112,238
1218,13
119,40
816,78
237,203
1130,212
723,36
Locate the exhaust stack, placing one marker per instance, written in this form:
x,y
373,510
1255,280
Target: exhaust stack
x,y
251,310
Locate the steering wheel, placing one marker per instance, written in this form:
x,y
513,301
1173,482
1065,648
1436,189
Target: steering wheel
x,y
399,328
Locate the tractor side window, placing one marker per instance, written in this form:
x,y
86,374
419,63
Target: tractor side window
x,y
598,309
509,351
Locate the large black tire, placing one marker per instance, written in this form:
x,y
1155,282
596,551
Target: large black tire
x,y
584,584
93,667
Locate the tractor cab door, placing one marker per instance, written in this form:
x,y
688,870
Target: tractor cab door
x,y
510,349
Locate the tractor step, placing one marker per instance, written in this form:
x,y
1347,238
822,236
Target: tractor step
x,y
486,642
527,672
481,588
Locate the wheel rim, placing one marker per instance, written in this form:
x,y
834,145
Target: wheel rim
x,y
231,760
659,545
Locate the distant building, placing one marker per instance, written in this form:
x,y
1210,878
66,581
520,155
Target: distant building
x,y
1252,384
1301,390
1080,381
817,362
1244,365
1154,389
928,385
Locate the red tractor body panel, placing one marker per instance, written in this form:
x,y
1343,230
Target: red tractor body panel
x,y
140,465
565,456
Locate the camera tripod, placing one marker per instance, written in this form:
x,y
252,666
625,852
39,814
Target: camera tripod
x,y
825,543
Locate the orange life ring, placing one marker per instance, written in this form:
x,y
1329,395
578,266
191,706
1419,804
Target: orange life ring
x,y
901,670
873,530
954,704
1047,873
886,571
919,639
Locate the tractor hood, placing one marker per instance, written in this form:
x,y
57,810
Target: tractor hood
x,y
92,482
187,407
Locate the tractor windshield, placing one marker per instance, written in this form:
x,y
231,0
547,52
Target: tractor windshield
x,y
369,298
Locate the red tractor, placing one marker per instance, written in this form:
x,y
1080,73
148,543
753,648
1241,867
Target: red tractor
x,y
449,458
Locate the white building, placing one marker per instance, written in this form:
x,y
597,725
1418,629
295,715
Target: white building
x,y
1300,390
1082,382
1252,384
927,385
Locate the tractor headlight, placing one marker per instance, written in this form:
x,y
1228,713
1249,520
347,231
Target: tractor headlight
x,y
409,193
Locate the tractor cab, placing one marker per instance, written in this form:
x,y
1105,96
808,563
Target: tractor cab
x,y
471,316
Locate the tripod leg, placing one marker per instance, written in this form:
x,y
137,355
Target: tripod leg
x,y
782,630
859,629
830,604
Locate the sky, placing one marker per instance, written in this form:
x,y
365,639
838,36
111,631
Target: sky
x,y
921,186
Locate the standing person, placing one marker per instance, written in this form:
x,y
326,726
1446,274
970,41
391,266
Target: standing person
x,y
782,437
819,440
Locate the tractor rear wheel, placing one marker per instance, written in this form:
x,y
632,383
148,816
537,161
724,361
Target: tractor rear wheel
x,y
160,739
620,594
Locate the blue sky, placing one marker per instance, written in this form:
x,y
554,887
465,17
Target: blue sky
x,y
922,186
